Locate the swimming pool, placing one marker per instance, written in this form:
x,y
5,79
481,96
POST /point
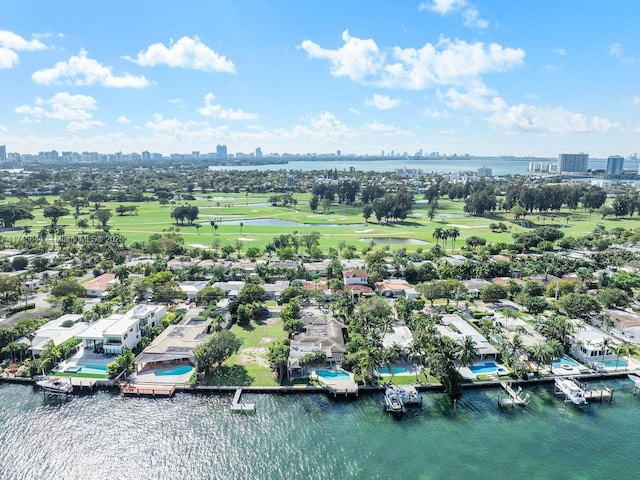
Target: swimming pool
x,y
335,374
397,370
487,368
565,362
181,370
619,363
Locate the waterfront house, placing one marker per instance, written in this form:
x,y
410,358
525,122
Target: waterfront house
x,y
98,286
399,335
626,325
117,331
589,347
455,328
320,333
59,330
176,343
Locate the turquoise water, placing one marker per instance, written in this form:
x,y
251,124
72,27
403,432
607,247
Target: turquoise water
x,y
399,370
181,370
484,368
620,363
565,360
100,369
332,374
314,437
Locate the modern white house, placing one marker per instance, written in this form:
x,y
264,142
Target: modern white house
x,y
110,335
593,347
58,330
355,276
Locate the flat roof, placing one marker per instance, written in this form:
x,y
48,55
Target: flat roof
x,y
96,329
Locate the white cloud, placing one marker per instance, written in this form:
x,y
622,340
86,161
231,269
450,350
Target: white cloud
x,y
188,53
553,121
82,70
82,125
617,51
469,13
635,101
355,111
382,102
16,42
76,109
216,111
325,127
560,51
4,129
10,43
431,112
478,98
123,119
550,67
174,101
448,62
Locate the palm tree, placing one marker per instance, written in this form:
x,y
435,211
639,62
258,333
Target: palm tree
x,y
606,342
467,352
368,362
390,356
453,233
121,272
555,349
437,234
516,344
241,225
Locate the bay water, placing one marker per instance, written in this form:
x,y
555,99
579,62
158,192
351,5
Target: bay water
x,y
313,436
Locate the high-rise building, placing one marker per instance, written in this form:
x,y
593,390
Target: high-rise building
x,y
3,153
615,166
485,172
573,162
339,153
221,151
195,155
258,152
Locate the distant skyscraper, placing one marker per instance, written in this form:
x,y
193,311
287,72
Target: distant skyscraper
x,y
195,155
146,156
615,166
339,153
221,151
258,152
3,153
573,162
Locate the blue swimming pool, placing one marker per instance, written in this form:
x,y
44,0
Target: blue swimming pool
x,y
488,368
335,374
397,370
181,370
565,362
619,363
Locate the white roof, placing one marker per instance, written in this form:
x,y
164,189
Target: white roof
x,y
400,335
96,329
121,325
463,329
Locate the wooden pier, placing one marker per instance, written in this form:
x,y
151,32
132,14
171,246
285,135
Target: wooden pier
x,y
131,389
238,407
514,396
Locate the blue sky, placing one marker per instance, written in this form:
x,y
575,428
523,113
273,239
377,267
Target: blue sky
x,y
452,76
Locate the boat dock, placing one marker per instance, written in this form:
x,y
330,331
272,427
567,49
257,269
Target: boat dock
x,y
339,387
393,401
514,397
577,392
408,394
132,389
238,407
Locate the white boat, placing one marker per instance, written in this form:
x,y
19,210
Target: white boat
x,y
572,391
635,379
393,400
408,393
55,386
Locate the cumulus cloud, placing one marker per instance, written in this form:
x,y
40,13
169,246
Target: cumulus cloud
x,y
560,51
382,102
448,62
216,111
187,52
553,121
62,106
355,111
82,70
10,43
123,119
635,101
479,97
469,13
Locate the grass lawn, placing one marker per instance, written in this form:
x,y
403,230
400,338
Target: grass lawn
x,y
77,375
252,355
404,379
342,223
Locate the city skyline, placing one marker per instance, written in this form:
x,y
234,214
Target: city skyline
x,y
448,76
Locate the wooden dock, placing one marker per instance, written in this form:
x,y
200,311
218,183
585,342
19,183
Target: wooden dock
x,y
514,396
132,389
239,407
